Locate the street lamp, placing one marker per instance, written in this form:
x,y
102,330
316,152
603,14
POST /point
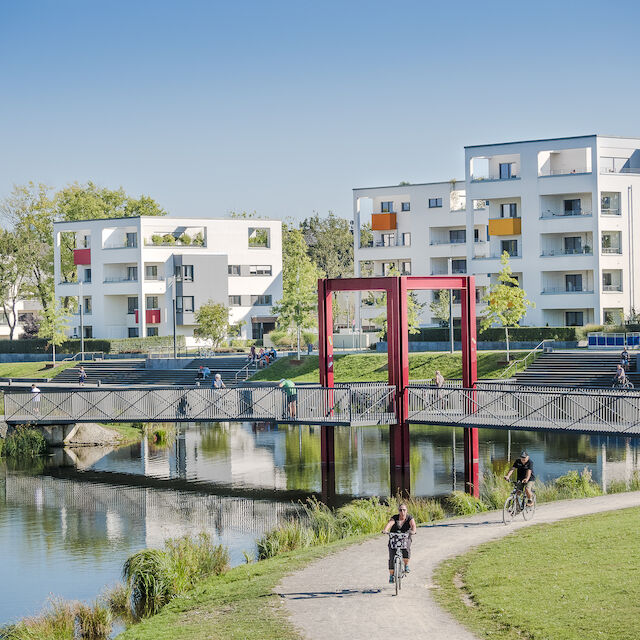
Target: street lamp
x,y
81,304
172,280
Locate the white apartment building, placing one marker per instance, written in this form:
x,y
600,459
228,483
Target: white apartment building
x,y
564,209
132,271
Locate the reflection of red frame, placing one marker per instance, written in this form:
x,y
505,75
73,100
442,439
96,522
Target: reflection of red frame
x,y
397,289
82,256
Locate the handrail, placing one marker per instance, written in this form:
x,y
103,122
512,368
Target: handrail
x,y
83,356
246,366
523,359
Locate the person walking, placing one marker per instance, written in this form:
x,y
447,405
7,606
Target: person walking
x,y
439,380
291,396
35,398
253,353
82,376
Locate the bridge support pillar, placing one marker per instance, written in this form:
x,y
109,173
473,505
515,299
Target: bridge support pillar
x,y
327,445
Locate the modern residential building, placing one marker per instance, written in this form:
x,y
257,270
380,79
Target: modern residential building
x,y
132,271
565,210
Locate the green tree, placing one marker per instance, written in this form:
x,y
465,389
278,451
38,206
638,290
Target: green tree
x,y
14,273
212,319
414,308
297,307
366,235
506,302
440,306
330,244
54,325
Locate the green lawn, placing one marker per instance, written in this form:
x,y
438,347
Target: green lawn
x,y
360,367
32,369
130,432
573,580
239,605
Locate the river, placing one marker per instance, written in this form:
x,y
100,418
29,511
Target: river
x,y
68,523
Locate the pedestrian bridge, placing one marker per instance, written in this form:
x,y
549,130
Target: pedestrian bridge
x,y
489,405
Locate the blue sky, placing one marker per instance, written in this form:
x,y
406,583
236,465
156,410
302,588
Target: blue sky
x,y
284,107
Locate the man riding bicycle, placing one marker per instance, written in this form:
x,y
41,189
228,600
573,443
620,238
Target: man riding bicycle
x,y
402,522
620,377
523,466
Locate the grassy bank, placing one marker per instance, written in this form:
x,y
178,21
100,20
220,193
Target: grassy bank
x,y
32,369
129,432
365,367
566,581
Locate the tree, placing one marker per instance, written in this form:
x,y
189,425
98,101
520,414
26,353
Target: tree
x,y
506,302
366,235
54,325
14,272
297,307
440,306
330,244
212,319
414,308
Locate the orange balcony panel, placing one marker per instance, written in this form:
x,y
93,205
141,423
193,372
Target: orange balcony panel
x,y
383,221
505,227
82,256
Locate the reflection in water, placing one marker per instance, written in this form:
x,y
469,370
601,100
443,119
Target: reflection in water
x,y
71,521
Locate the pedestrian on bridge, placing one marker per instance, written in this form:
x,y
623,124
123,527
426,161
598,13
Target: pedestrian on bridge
x,y
35,397
291,395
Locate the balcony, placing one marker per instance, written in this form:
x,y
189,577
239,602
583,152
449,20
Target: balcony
x,y
549,214
545,173
611,212
584,251
505,226
563,290
381,243
119,279
611,251
612,288
151,316
383,221
496,256
441,242
493,177
81,256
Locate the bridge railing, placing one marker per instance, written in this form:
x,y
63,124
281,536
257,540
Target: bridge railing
x,y
596,411
370,404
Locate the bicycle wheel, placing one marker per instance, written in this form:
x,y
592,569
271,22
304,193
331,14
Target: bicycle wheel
x,y
529,510
397,572
509,509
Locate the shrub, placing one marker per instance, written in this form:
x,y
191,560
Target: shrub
x,y
185,239
57,622
24,443
94,622
168,238
118,599
577,485
198,239
494,490
148,576
464,504
156,239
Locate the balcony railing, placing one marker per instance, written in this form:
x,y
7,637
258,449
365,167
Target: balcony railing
x,y
555,290
564,214
584,251
611,212
493,178
496,256
611,250
563,172
119,279
612,287
121,245
381,243
456,272
438,242
608,170
153,278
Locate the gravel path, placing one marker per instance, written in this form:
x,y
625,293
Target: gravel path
x,y
346,595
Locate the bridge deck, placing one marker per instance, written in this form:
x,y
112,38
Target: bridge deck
x,y
504,406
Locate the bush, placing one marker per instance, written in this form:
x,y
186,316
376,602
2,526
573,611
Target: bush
x,y
577,485
464,504
168,238
24,443
156,239
148,576
39,345
198,239
94,621
145,344
185,239
496,334
57,622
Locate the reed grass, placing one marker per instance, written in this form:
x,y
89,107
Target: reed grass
x,y
464,504
24,443
94,621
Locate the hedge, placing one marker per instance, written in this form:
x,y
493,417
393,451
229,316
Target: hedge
x,y
39,345
145,344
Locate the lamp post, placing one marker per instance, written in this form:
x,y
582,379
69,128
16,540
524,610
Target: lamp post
x,y
172,280
81,304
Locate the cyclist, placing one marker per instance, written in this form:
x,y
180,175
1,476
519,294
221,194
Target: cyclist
x,y
402,522
523,466
620,377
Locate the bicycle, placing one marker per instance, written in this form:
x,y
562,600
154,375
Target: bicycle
x,y
517,503
398,541
625,383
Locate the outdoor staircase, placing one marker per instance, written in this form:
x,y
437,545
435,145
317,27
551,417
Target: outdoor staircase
x,y
577,369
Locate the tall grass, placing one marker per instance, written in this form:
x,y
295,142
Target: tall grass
x,y
321,525
24,443
464,504
94,621
154,576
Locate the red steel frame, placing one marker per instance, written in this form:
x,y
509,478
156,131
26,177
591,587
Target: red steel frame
x,y
397,289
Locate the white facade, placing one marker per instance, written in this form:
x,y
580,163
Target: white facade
x,y
565,209
130,264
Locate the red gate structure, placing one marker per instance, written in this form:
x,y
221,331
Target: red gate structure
x,y
397,289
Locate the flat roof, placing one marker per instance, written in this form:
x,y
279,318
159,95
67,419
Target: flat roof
x,y
591,135
413,184
169,218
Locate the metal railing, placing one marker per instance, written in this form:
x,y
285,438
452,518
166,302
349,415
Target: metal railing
x,y
584,251
564,214
246,371
496,256
612,287
354,404
493,177
119,279
86,355
563,172
610,250
532,408
555,290
507,373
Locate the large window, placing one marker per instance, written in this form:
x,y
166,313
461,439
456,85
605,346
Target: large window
x,y
386,207
87,275
573,244
235,301
572,207
573,282
132,274
132,304
574,318
387,267
506,170
261,301
406,239
509,210
435,203
458,266
152,302
131,240
510,246
234,269
259,238
405,267
457,236
184,304
260,270
184,272
151,272
133,332
88,332
610,203
388,239
87,304
152,331
611,242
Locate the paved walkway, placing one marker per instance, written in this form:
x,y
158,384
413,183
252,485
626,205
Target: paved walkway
x,y
346,595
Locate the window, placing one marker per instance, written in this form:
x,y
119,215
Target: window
x,y
405,268
131,240
260,301
458,266
505,170
611,242
132,274
573,282
151,272
457,296
87,304
152,331
388,239
510,246
406,239
509,210
152,302
573,244
259,238
88,332
607,279
476,235
132,304
613,316
87,275
133,332
610,204
387,267
184,272
435,203
234,269
386,207
572,207
260,270
457,236
86,242
406,206
574,318
184,304
235,301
